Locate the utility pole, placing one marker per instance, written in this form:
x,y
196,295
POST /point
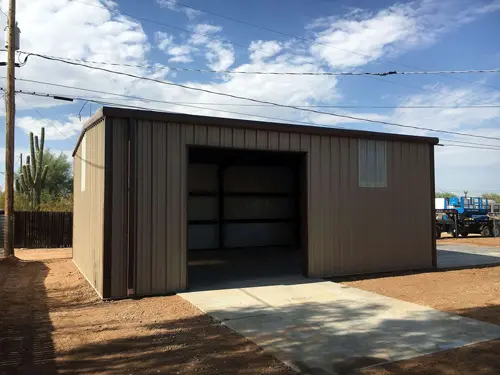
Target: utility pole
x,y
10,108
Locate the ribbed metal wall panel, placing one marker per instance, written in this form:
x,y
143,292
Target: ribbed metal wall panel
x,y
350,229
119,210
88,214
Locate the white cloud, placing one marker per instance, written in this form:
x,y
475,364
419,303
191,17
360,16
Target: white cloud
x,y
390,31
172,5
454,119
57,130
220,56
202,33
365,37
181,53
163,40
260,50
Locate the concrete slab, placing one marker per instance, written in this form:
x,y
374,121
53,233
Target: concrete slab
x,y
449,256
322,327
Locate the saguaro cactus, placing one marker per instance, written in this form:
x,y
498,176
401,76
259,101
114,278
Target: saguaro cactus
x,y
32,177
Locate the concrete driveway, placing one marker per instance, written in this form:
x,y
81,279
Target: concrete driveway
x,y
321,327
450,256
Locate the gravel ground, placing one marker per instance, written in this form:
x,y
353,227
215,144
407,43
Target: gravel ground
x,y
51,322
474,293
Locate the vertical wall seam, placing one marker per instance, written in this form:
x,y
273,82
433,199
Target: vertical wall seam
x,y
151,211
433,206
108,207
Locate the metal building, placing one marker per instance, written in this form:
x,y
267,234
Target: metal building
x,y
156,193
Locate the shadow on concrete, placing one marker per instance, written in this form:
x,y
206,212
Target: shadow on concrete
x,y
26,345
463,258
221,269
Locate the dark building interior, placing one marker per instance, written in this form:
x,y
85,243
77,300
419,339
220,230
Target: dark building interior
x,y
244,215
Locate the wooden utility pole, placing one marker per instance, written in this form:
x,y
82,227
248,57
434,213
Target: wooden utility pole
x,y
10,107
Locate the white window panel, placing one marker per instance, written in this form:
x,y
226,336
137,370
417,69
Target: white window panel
x,y
84,164
372,163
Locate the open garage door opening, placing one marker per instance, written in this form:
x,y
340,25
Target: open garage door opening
x,y
246,220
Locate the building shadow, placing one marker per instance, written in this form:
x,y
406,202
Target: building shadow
x,y
205,345
26,345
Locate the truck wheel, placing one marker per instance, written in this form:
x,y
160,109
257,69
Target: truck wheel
x,y
464,234
496,231
485,231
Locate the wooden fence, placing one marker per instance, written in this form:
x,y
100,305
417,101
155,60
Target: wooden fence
x,y
43,229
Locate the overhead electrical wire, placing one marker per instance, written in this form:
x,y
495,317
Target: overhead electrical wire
x,y
198,89
477,147
479,106
41,115
309,40
104,101
385,80
380,74
51,123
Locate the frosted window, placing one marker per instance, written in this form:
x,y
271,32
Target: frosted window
x,y
84,163
372,159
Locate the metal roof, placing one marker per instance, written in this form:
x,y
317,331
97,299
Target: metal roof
x,y
180,118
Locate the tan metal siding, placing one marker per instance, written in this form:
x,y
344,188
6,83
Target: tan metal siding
x,y
350,229
144,207
177,208
159,200
88,215
119,207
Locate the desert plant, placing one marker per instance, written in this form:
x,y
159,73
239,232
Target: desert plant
x,y
32,175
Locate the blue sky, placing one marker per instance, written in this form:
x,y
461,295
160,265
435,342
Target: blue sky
x,y
342,35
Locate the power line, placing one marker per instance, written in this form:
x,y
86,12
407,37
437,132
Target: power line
x,y
5,14
380,74
62,59
305,39
479,147
265,102
104,102
384,80
41,115
479,106
295,122
471,143
308,40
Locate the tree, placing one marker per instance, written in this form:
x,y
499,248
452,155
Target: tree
x,y
59,180
31,177
445,194
56,185
492,196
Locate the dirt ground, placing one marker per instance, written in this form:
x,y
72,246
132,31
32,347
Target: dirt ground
x,y
471,239
51,322
474,293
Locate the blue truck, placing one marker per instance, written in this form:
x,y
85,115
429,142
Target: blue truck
x,y
465,215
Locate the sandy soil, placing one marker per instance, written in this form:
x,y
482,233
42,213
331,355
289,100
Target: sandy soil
x,y
471,239
52,322
474,293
